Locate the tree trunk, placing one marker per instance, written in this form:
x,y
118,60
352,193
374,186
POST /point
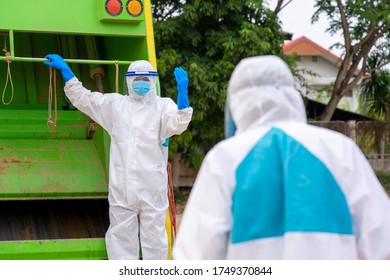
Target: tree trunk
x,y
331,106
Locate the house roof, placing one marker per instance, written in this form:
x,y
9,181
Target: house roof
x,y
303,46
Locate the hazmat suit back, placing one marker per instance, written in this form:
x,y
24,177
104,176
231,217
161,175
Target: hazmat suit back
x,y
280,188
139,126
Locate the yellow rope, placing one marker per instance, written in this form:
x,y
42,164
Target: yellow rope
x,y
50,121
55,103
116,76
49,98
9,76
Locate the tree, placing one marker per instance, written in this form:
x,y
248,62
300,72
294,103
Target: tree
x,y
208,38
364,23
280,5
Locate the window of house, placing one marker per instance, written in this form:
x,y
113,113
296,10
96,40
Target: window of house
x,y
314,58
349,93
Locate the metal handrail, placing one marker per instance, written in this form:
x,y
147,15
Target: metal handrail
x,y
68,60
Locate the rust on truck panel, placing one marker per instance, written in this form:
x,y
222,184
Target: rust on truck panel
x,y
15,160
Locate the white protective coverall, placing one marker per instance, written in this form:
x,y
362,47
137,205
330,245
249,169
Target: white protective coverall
x,y
138,126
280,188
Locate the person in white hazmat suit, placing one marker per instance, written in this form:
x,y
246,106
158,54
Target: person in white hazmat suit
x,y
280,188
139,124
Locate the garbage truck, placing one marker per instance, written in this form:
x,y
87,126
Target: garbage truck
x,y
53,158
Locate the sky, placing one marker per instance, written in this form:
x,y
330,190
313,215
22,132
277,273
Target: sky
x,y
296,19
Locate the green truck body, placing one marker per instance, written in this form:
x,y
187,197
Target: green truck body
x,y
53,180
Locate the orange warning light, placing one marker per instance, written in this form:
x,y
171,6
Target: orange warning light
x,y
114,7
134,7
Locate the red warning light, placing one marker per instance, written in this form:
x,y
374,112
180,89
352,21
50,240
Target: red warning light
x,y
114,7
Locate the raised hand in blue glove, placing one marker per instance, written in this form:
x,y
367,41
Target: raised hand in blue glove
x,y
182,87
57,62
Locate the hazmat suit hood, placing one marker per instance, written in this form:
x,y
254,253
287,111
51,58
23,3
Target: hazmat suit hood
x,y
144,68
261,92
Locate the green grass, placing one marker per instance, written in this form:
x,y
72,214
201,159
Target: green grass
x,y
384,178
179,197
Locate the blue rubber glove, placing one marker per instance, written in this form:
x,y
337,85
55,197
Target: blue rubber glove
x,y
57,62
182,87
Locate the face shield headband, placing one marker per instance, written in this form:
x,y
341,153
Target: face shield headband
x,y
131,75
141,73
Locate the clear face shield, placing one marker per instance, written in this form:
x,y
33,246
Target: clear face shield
x,y
230,126
140,83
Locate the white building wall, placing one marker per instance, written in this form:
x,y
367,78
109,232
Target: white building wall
x,y
325,74
318,65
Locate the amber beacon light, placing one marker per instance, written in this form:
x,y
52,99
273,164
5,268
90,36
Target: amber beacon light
x,y
134,7
114,11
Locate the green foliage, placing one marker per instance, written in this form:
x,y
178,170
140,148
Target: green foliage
x,y
375,89
367,142
362,15
384,178
178,197
207,39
